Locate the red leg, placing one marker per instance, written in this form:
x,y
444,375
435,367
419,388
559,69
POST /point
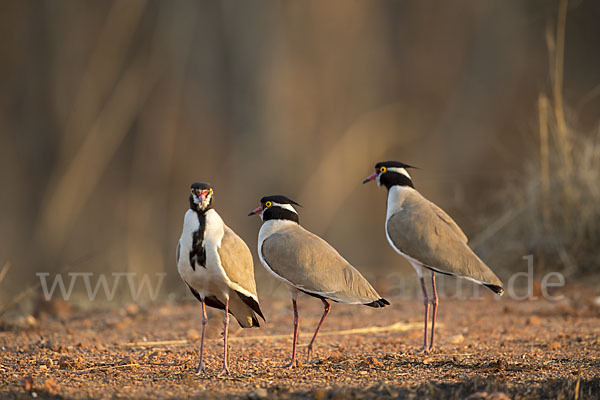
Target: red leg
x,y
426,303
204,321
435,306
225,341
293,362
325,312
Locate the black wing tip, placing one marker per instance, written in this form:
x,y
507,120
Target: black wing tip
x,y
378,303
261,315
499,290
253,304
254,322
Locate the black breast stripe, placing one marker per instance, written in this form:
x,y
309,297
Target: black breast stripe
x,y
198,253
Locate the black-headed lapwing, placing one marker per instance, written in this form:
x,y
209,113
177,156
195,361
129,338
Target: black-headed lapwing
x,y
217,266
307,263
427,237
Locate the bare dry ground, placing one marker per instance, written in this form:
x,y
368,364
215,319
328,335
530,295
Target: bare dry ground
x,y
486,349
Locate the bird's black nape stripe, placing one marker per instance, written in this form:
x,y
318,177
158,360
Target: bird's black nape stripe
x,y
391,178
275,212
250,302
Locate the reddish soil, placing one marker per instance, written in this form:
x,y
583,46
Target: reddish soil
x,y
486,349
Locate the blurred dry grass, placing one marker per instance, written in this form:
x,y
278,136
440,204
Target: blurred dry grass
x,y
553,213
108,111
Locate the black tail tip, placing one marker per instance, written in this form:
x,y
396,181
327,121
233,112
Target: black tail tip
x,y
378,303
499,290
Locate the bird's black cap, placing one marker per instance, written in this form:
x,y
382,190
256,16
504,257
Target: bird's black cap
x,y
201,185
393,164
278,199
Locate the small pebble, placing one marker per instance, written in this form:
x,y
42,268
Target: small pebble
x,y
554,345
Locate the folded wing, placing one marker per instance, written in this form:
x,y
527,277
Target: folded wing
x,y
424,232
237,263
311,265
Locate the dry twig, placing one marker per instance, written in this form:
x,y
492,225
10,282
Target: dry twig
x,y
5,270
398,326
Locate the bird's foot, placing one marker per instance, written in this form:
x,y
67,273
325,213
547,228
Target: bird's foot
x,y
423,350
309,353
289,365
200,369
225,371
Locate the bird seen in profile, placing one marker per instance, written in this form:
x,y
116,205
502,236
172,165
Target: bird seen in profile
x,y
427,237
307,264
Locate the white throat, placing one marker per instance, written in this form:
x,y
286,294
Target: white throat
x,y
396,196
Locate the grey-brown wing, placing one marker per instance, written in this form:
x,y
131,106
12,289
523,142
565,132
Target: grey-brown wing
x,y
236,260
310,264
418,231
448,220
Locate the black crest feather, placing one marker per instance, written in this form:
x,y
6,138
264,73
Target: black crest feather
x,y
279,199
393,164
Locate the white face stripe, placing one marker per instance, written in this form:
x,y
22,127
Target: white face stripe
x,y
286,206
402,171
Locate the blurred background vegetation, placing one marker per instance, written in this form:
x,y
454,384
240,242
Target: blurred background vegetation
x,y
110,109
